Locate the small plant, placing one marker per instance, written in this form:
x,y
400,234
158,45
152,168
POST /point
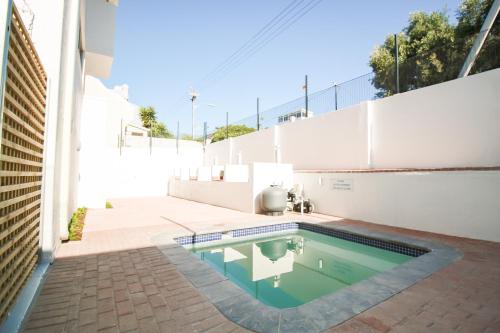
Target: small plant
x,y
75,227
109,205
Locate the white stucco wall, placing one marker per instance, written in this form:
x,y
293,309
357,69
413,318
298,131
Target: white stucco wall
x,y
217,153
233,195
104,173
335,140
459,203
55,36
456,123
108,106
453,124
244,196
254,147
59,36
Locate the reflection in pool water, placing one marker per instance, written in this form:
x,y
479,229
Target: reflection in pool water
x,y
293,268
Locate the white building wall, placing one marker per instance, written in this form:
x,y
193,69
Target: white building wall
x,y
104,172
108,106
59,36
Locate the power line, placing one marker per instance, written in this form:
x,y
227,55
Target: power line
x,y
275,27
297,16
279,17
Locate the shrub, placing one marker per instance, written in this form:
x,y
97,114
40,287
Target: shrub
x,y
75,227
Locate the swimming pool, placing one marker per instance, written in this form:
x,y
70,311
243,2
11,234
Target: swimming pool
x,y
301,277
295,267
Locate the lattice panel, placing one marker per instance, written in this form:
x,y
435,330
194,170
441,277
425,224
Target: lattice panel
x,y
21,159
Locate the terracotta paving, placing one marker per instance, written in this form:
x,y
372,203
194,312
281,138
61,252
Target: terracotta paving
x,y
116,280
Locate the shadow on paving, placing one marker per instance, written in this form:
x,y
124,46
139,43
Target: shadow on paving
x,y
131,290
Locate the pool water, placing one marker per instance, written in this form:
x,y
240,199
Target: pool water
x,y
289,269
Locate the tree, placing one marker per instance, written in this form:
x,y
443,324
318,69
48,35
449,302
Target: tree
x,y
148,116
470,17
421,51
188,137
233,131
432,50
160,130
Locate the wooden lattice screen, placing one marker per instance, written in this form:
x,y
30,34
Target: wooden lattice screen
x,y
21,163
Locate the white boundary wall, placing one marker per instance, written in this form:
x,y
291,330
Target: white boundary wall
x,y
244,196
103,172
453,124
459,203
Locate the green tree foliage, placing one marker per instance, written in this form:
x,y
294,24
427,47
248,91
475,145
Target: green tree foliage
x,y
160,130
233,131
470,17
148,118
432,50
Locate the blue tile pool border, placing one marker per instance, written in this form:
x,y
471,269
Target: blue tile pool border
x,y
393,246
324,312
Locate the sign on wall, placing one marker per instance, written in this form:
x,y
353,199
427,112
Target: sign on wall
x,y
342,184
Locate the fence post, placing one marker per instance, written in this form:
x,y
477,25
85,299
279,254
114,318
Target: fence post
x,y
204,135
150,140
227,125
396,61
307,99
335,89
258,115
177,139
120,140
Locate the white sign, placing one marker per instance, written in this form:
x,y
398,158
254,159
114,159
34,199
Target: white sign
x,y
341,184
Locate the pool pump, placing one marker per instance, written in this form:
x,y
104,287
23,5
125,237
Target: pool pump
x,y
297,202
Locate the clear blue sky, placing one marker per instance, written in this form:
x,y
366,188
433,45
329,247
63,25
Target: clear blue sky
x,y
165,47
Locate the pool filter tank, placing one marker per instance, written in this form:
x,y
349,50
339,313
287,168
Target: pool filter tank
x,y
274,200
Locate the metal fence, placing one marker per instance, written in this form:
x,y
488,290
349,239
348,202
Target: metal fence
x,y
439,64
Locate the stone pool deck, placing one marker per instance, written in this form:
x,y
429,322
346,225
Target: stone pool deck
x,y
117,280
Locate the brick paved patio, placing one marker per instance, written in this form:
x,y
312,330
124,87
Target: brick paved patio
x,y
116,280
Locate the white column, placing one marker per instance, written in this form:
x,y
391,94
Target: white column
x,y
67,98
50,53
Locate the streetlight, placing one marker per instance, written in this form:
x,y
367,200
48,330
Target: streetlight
x,y
193,95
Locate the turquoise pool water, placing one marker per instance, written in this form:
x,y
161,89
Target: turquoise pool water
x,y
289,269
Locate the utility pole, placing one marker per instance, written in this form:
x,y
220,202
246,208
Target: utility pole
x,y
307,98
193,95
396,61
258,114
